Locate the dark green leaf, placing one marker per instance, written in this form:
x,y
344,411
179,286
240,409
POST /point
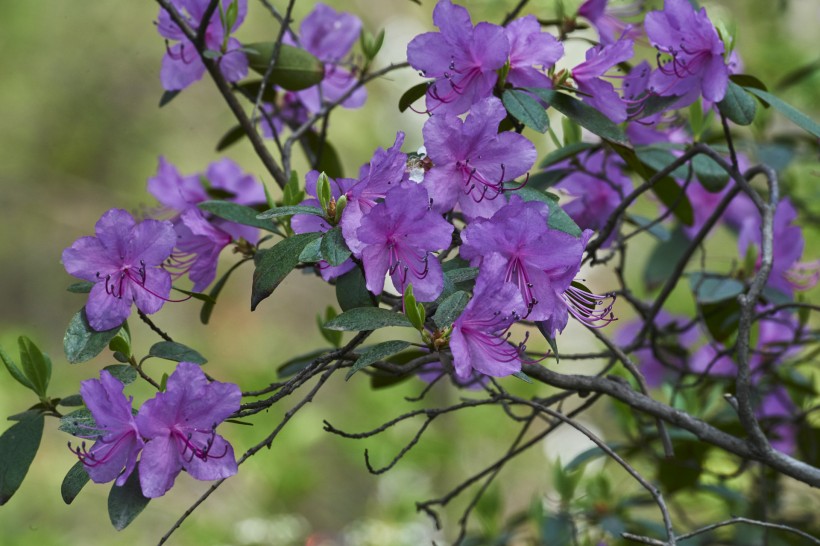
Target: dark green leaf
x,y
298,363
81,342
667,190
547,179
788,110
290,211
194,295
177,352
412,95
658,230
351,291
556,156
168,96
721,318
795,76
557,530
526,109
234,135
71,401
558,219
652,105
522,376
664,258
312,253
714,288
710,175
367,318
324,157
78,423
208,306
236,213
737,105
376,353
73,482
18,446
747,80
295,69
83,287
274,264
462,274
584,115
251,90
333,247
449,310
550,337
124,373
126,502
331,336
683,470
15,371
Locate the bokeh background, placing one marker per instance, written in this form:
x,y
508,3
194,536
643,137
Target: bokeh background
x,y
80,132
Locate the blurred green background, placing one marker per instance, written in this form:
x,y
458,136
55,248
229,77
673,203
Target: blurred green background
x,y
81,133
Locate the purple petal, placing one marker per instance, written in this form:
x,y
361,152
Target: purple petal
x,y
153,293
233,64
328,34
173,190
181,66
151,242
219,463
105,311
87,257
159,465
113,229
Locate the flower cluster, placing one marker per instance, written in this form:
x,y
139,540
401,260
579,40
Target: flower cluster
x,y
174,431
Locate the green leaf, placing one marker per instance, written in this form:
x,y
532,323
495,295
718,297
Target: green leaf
x,y
177,352
239,214
298,363
522,376
290,211
367,318
231,137
664,258
550,337
413,310
667,190
557,530
124,373
334,248
15,371
208,306
18,446
293,194
653,104
412,95
683,470
710,288
251,89
83,287
584,115
721,318
274,264
331,336
168,96
449,310
73,482
462,274
788,110
126,502
747,80
81,342
526,109
324,158
710,175
312,253
737,105
658,231
351,291
376,353
71,401
78,423
561,154
295,69
557,219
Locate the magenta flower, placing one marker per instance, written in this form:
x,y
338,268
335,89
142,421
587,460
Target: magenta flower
x,y
479,340
123,261
462,59
182,65
697,66
607,22
118,440
180,428
531,53
472,160
596,91
398,236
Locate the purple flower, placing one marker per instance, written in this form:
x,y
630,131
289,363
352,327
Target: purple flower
x,y
536,257
398,236
118,440
777,412
479,340
462,58
307,223
531,48
595,91
472,160
598,186
606,21
697,66
329,35
123,261
180,428
182,65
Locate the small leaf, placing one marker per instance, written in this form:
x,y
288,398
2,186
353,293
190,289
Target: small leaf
x,y
450,309
312,253
73,482
78,423
657,230
168,96
83,287
376,353
324,157
526,109
566,152
15,371
231,137
522,376
291,210
584,115
558,219
274,264
331,336
334,248
788,110
557,530
714,288
721,318
81,342
663,259
177,352
462,274
251,89
72,400
412,95
237,213
367,318
737,105
653,104
124,373
18,446
298,363
126,502
550,337
351,291
295,69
